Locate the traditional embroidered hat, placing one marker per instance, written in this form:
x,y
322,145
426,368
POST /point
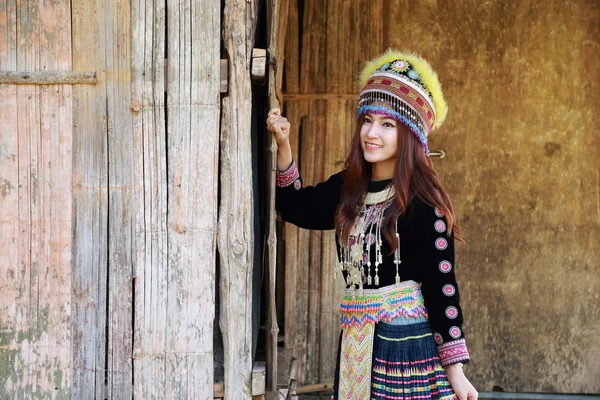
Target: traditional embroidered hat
x,y
409,87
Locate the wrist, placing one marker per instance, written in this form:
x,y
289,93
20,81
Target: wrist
x,y
284,156
284,145
454,370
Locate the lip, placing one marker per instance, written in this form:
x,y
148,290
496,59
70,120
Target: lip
x,y
372,146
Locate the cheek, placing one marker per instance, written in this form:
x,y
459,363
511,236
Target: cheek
x,y
391,140
363,132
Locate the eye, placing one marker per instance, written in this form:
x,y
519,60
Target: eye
x,y
389,125
367,120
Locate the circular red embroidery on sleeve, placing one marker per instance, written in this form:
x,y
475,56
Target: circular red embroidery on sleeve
x,y
438,212
440,226
445,266
441,243
438,338
448,290
451,312
297,184
455,332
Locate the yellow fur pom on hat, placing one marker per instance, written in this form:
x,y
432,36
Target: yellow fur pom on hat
x,y
415,72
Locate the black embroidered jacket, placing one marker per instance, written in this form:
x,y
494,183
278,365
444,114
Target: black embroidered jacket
x,y
426,251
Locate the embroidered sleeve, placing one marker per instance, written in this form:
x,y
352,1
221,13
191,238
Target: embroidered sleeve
x,y
289,176
310,207
439,286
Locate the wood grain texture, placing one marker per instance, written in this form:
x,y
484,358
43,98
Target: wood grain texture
x,y
150,180
47,77
121,242
176,194
193,143
236,220
35,204
290,231
277,14
103,196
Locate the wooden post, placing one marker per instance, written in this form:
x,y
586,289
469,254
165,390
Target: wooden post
x,y
236,215
277,11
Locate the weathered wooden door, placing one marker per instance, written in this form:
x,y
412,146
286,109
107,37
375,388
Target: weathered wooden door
x,y
108,197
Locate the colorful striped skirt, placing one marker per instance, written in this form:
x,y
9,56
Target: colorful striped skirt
x,y
387,349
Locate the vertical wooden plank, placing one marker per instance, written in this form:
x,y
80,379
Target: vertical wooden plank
x,y
312,79
313,284
35,204
236,221
193,113
150,180
290,231
90,204
13,271
117,20
103,170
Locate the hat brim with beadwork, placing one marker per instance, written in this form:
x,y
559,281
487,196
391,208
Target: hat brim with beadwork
x,y
403,86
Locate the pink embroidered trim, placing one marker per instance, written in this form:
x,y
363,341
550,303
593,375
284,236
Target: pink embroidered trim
x,y
287,177
453,352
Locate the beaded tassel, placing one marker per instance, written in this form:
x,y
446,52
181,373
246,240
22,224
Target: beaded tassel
x,y
369,279
397,255
378,255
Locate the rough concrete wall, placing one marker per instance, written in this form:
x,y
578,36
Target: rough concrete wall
x,y
521,79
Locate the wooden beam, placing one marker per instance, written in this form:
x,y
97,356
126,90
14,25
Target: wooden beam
x,y
320,96
218,390
259,374
258,71
317,387
259,65
48,78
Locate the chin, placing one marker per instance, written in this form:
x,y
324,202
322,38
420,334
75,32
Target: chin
x,y
372,158
367,157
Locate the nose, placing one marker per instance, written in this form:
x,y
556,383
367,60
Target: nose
x,y
373,131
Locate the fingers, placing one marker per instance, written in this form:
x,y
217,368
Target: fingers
x,y
276,119
274,112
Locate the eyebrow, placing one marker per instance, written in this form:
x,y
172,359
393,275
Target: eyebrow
x,y
383,116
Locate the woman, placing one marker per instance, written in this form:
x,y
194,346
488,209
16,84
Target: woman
x,y
401,319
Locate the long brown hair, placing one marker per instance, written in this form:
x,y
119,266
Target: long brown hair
x,y
414,175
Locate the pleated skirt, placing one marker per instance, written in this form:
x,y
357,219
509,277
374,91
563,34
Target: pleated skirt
x,y
403,362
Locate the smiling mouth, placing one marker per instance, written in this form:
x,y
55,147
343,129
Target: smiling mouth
x,y
372,146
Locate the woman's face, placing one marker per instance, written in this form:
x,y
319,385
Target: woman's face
x,y
379,139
